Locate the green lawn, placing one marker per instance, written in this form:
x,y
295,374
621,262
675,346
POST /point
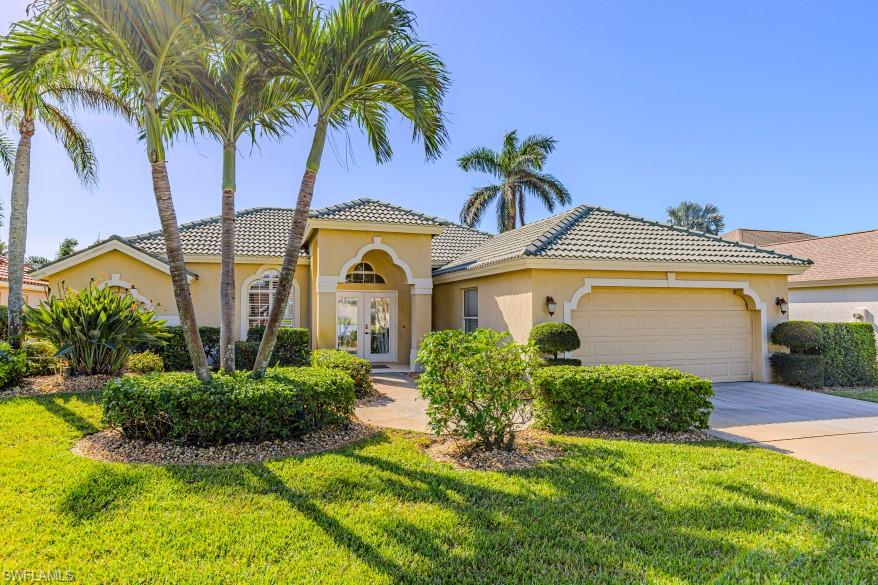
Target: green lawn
x,y
382,512
870,394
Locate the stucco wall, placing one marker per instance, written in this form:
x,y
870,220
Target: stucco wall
x,y
834,304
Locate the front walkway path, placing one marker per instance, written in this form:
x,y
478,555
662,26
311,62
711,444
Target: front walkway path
x,y
400,407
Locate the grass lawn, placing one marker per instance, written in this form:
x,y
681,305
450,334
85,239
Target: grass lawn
x,y
382,512
870,394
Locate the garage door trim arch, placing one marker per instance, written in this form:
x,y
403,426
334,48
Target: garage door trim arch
x,y
754,303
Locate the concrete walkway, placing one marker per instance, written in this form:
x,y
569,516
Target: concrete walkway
x,y
401,407
836,432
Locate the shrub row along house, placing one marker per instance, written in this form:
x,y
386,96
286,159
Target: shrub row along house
x,y
374,278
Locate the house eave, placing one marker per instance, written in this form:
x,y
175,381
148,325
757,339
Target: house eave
x,y
865,280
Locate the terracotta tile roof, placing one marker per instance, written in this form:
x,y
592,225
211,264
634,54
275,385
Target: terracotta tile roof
x,y
4,274
594,233
454,242
841,257
764,237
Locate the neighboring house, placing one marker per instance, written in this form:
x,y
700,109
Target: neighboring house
x,y
35,291
374,278
764,237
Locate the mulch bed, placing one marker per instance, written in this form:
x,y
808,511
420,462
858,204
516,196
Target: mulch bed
x,y
40,385
530,448
690,436
112,446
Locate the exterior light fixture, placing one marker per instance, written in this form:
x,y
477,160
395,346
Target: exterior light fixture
x,y
782,305
551,305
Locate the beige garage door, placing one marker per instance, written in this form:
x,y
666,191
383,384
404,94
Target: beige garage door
x,y
705,332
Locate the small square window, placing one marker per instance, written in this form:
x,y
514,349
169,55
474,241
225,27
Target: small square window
x,y
470,309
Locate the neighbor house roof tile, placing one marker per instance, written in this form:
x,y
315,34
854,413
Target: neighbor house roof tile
x,y
841,257
4,273
764,237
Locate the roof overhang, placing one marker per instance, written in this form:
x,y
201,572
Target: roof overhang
x,y
572,264
369,226
114,243
865,280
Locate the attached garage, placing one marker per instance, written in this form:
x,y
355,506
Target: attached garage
x,y
708,332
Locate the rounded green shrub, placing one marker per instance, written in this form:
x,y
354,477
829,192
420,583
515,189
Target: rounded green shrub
x,y
624,397
799,369
799,336
554,338
358,369
145,362
292,348
42,358
13,366
175,353
286,403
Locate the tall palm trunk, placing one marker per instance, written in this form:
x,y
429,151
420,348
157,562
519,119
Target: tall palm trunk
x,y
174,247
227,252
18,229
291,254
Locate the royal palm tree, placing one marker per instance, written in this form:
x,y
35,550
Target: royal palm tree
x,y
357,62
37,89
233,95
518,168
146,47
689,214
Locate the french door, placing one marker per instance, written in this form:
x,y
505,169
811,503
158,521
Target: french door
x,y
365,324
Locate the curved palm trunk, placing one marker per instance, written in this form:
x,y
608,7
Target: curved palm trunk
x,y
291,254
18,230
168,219
227,259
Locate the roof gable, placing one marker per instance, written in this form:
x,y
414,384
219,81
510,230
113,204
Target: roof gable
x,y
372,211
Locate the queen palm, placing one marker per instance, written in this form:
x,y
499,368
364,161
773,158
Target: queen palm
x,y
7,153
37,89
356,63
704,218
146,47
232,95
518,168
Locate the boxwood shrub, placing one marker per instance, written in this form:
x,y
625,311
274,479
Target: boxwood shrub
x,y
799,336
554,338
145,362
358,369
13,366
292,348
245,354
848,350
287,402
629,398
174,353
799,369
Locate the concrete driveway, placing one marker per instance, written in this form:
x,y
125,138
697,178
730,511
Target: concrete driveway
x,y
840,433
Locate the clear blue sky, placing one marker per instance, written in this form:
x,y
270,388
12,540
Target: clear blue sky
x,y
768,109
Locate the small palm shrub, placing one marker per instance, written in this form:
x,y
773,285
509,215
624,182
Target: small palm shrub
x,y
13,366
145,362
358,369
94,329
554,338
42,358
476,384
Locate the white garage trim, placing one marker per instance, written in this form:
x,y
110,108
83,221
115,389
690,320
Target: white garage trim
x,y
762,371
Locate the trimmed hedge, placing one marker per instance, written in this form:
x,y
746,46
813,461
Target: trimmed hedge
x,y
562,362
799,336
849,353
554,338
292,348
358,369
174,353
13,366
287,402
629,398
799,369
145,362
245,354
4,322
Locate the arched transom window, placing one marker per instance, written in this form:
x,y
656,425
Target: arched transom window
x,y
363,273
260,298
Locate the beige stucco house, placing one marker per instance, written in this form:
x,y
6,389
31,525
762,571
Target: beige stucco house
x,y
35,291
374,278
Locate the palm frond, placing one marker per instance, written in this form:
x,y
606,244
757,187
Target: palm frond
x,y
79,148
7,153
477,203
481,159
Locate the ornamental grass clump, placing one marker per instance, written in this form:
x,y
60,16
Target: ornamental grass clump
x,y
94,329
476,385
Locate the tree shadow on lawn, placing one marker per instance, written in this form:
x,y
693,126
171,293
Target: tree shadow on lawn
x,y
105,488
56,405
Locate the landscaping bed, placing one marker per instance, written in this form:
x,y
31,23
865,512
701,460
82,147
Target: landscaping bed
x,y
531,448
39,385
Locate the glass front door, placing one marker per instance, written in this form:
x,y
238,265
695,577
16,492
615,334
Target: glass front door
x,y
365,324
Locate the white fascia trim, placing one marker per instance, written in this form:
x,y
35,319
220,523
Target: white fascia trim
x,y
108,246
327,284
377,244
830,283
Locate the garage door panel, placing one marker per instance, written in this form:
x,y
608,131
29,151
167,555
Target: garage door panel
x,y
704,332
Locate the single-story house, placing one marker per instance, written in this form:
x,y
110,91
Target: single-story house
x,y
34,290
374,278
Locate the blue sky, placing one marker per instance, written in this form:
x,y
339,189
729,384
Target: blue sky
x,y
768,109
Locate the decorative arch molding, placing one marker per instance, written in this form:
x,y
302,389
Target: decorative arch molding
x,y
742,288
245,297
116,280
330,283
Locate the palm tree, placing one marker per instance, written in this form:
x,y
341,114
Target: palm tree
x,y
36,89
356,63
66,247
518,167
689,214
233,95
146,47
7,153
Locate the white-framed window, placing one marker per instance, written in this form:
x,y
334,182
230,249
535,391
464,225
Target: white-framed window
x,y
470,309
260,298
363,273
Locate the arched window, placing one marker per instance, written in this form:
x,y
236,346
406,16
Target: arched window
x,y
260,298
363,273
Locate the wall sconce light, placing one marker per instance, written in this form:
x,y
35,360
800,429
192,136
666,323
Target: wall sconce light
x,y
551,305
782,305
